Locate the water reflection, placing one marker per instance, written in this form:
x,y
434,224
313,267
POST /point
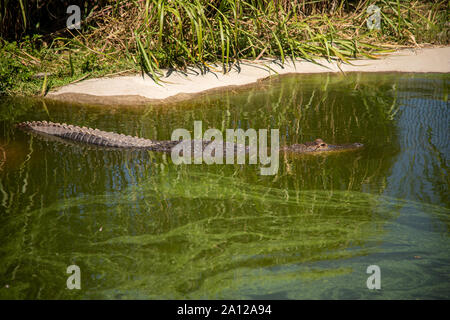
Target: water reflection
x,y
140,227
423,125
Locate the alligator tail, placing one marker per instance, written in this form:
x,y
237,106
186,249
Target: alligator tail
x,y
87,135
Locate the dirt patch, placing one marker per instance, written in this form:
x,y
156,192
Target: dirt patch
x,y
142,90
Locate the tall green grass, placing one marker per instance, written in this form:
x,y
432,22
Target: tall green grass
x,y
132,36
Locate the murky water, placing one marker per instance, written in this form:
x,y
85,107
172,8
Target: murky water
x,y
139,226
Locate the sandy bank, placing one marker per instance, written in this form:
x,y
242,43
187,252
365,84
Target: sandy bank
x,y
177,86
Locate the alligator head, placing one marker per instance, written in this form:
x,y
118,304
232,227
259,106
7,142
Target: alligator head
x,y
319,145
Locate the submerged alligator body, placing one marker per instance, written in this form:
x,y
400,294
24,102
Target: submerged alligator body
x,y
114,140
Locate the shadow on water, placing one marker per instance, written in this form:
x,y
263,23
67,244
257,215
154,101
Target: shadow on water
x,y
140,227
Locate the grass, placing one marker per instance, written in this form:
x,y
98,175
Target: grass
x,y
134,36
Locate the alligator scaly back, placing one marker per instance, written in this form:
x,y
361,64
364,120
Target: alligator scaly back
x,y
89,135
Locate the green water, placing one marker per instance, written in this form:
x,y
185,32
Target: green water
x,y
140,227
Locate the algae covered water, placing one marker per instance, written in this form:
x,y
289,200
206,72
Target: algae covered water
x,y
140,227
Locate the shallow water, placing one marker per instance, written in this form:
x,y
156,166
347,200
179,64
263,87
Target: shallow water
x,y
139,226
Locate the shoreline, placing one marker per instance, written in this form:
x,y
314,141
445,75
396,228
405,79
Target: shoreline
x,y
138,90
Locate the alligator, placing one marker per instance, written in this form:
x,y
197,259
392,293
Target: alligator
x,y
114,140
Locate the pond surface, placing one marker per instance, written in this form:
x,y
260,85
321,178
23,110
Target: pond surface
x,y
141,227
